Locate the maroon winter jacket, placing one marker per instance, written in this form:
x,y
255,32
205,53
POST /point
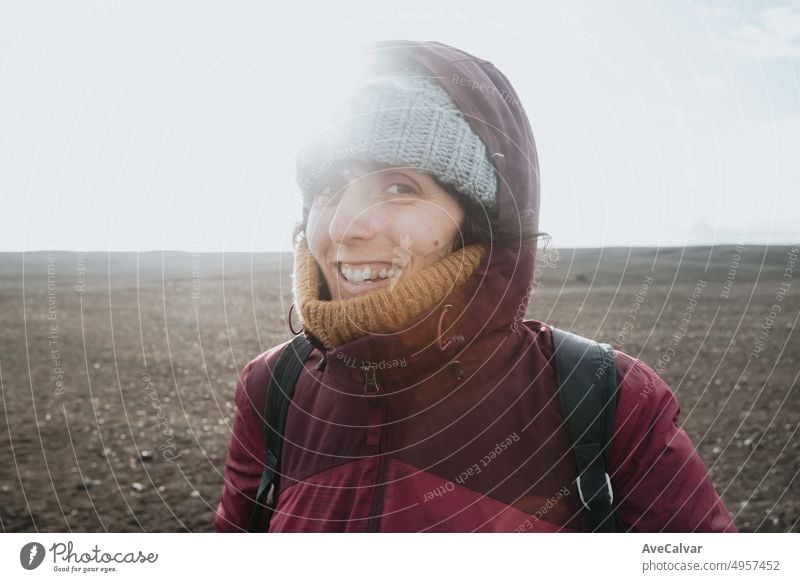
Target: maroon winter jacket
x,y
428,451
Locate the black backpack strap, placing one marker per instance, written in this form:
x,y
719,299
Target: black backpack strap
x,y
276,407
587,389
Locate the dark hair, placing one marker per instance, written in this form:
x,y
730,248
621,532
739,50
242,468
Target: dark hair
x,y
480,225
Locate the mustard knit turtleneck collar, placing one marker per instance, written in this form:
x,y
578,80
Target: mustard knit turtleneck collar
x,y
339,322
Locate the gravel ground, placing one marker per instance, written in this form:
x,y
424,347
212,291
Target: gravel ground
x,y
118,371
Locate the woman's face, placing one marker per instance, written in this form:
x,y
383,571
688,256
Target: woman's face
x,y
370,226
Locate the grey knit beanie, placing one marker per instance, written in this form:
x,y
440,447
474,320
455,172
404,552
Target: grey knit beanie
x,y
403,118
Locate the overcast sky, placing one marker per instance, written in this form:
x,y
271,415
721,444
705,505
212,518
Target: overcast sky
x,y
173,125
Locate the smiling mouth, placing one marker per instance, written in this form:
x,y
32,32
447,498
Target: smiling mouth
x,y
368,274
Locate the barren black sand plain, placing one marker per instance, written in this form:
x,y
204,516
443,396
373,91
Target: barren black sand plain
x,y
118,371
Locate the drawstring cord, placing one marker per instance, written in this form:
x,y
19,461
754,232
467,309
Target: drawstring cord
x,y
447,343
453,339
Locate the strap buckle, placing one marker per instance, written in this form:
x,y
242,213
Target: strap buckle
x,y
270,494
608,488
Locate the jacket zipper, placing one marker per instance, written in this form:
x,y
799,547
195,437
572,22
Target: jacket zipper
x,y
375,438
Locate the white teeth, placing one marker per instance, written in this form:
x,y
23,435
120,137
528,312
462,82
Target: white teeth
x,y
366,274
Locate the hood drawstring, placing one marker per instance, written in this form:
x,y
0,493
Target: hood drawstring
x,y
451,341
320,367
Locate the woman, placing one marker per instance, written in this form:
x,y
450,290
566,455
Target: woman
x,y
428,404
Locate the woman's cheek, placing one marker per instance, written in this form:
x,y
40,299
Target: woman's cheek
x,y
314,231
432,253
379,221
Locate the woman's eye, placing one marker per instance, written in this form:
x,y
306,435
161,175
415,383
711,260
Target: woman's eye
x,y
399,188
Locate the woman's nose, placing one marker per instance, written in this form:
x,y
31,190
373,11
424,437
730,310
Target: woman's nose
x,y
353,217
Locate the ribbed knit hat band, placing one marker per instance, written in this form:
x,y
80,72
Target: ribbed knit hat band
x,y
403,119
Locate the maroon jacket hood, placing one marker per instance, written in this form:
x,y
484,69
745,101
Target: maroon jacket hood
x,y
497,292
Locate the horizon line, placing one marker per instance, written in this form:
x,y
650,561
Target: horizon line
x,y
577,247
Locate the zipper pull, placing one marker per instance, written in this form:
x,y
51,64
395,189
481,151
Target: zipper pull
x,y
375,409
370,382
458,371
